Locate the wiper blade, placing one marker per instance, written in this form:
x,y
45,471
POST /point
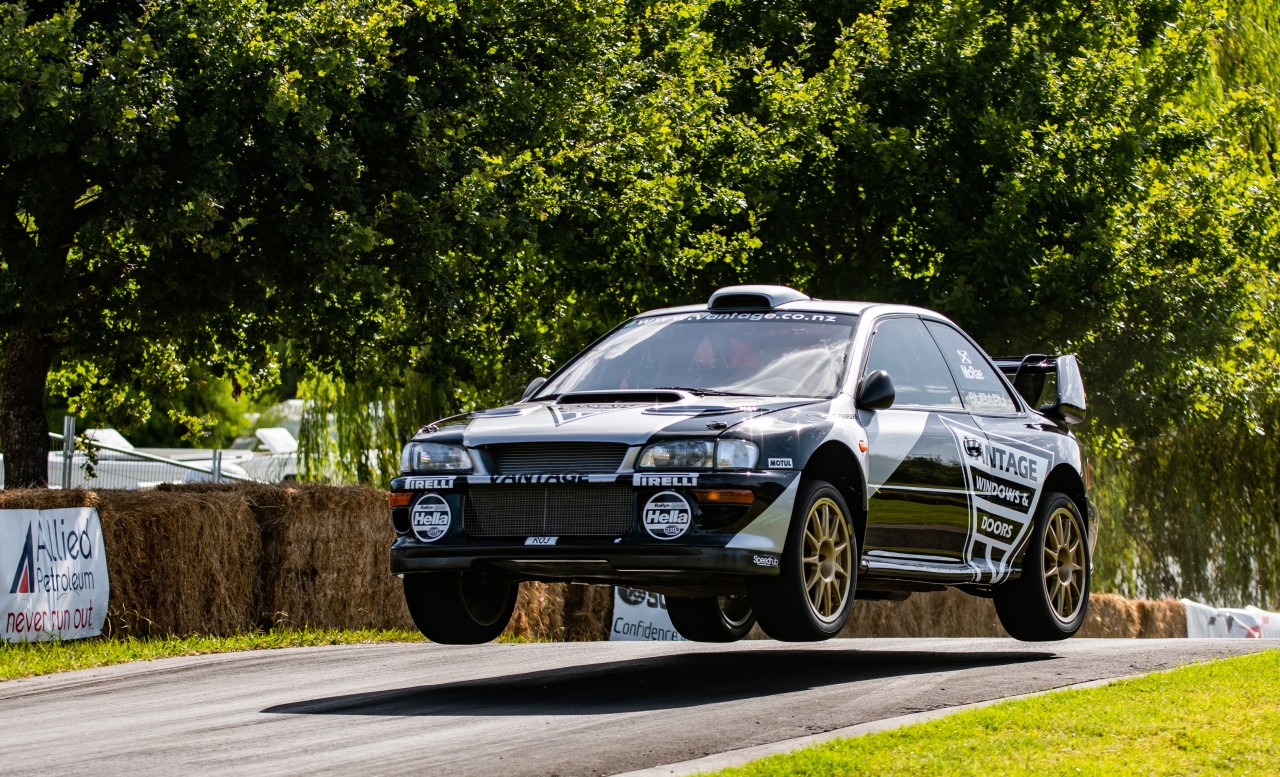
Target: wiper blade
x,y
704,392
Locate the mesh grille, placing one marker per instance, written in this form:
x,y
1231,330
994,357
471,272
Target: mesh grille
x,y
578,457
542,511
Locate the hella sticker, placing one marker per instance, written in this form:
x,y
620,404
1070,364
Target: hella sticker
x,y
667,516
779,463
540,540
430,517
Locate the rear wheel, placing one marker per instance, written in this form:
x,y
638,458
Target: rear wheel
x,y
1050,599
460,608
812,594
711,618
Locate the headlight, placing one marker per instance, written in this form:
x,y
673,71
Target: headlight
x,y
699,454
736,454
681,454
434,457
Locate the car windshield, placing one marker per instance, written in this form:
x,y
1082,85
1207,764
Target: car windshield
x,y
749,354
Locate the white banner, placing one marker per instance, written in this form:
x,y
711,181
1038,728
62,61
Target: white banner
x,y
640,616
53,574
1205,622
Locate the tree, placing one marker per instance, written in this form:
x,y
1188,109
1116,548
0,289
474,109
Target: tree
x,y
179,186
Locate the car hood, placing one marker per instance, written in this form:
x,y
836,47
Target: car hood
x,y
632,423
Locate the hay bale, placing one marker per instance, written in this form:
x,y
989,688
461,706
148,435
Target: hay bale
x,y
949,613
539,612
1111,616
46,499
324,557
180,564
1163,619
588,611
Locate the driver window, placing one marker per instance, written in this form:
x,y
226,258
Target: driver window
x,y
903,348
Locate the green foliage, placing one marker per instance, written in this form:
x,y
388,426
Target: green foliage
x,y
28,659
1213,718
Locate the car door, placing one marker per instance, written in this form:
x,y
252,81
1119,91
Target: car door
x,y
919,506
1007,474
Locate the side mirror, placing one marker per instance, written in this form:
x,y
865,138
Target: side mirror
x,y
533,387
1069,404
875,391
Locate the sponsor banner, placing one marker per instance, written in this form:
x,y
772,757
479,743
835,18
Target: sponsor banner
x,y
640,616
1206,622
53,574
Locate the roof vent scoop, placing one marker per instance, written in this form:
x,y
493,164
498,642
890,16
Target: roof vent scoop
x,y
753,297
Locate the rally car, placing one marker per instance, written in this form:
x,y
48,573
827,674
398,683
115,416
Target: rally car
x,y
766,457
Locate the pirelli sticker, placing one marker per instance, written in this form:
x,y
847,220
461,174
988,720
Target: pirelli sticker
x,y
428,484
648,480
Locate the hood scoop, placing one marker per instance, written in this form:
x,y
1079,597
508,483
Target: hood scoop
x,y
644,397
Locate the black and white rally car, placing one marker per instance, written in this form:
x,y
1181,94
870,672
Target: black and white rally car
x,y
765,456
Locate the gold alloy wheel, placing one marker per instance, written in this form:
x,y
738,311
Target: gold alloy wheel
x,y
828,560
1064,564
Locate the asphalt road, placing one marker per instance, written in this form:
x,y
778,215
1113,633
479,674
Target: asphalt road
x,y
537,709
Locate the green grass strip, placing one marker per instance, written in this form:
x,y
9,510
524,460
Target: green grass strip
x,y
25,659
1215,718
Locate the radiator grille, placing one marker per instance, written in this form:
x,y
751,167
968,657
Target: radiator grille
x,y
548,511
578,457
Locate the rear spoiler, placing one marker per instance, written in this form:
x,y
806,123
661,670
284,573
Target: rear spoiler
x,y
1029,373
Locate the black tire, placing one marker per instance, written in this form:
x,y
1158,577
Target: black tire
x,y
460,608
810,598
1050,599
711,618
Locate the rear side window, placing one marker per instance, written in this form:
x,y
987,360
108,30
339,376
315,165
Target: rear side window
x,y
979,380
902,348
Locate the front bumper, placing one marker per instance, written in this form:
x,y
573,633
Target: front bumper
x,y
628,553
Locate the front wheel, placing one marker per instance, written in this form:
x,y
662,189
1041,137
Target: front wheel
x,y
711,618
460,608
810,598
1050,599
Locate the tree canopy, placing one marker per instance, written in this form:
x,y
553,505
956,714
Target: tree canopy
x,y
423,204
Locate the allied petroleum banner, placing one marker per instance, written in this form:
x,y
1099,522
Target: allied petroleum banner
x,y
53,574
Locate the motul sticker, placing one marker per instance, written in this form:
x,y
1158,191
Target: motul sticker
x,y
430,517
779,463
667,516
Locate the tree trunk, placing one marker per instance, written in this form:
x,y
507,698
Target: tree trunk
x,y
24,432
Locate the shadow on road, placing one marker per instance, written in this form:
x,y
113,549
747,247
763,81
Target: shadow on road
x,y
664,682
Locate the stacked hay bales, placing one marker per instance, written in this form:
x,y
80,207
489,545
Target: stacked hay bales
x,y
180,565
953,613
177,565
226,559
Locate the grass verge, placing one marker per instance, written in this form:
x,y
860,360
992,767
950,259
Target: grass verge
x,y
26,659
1215,718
